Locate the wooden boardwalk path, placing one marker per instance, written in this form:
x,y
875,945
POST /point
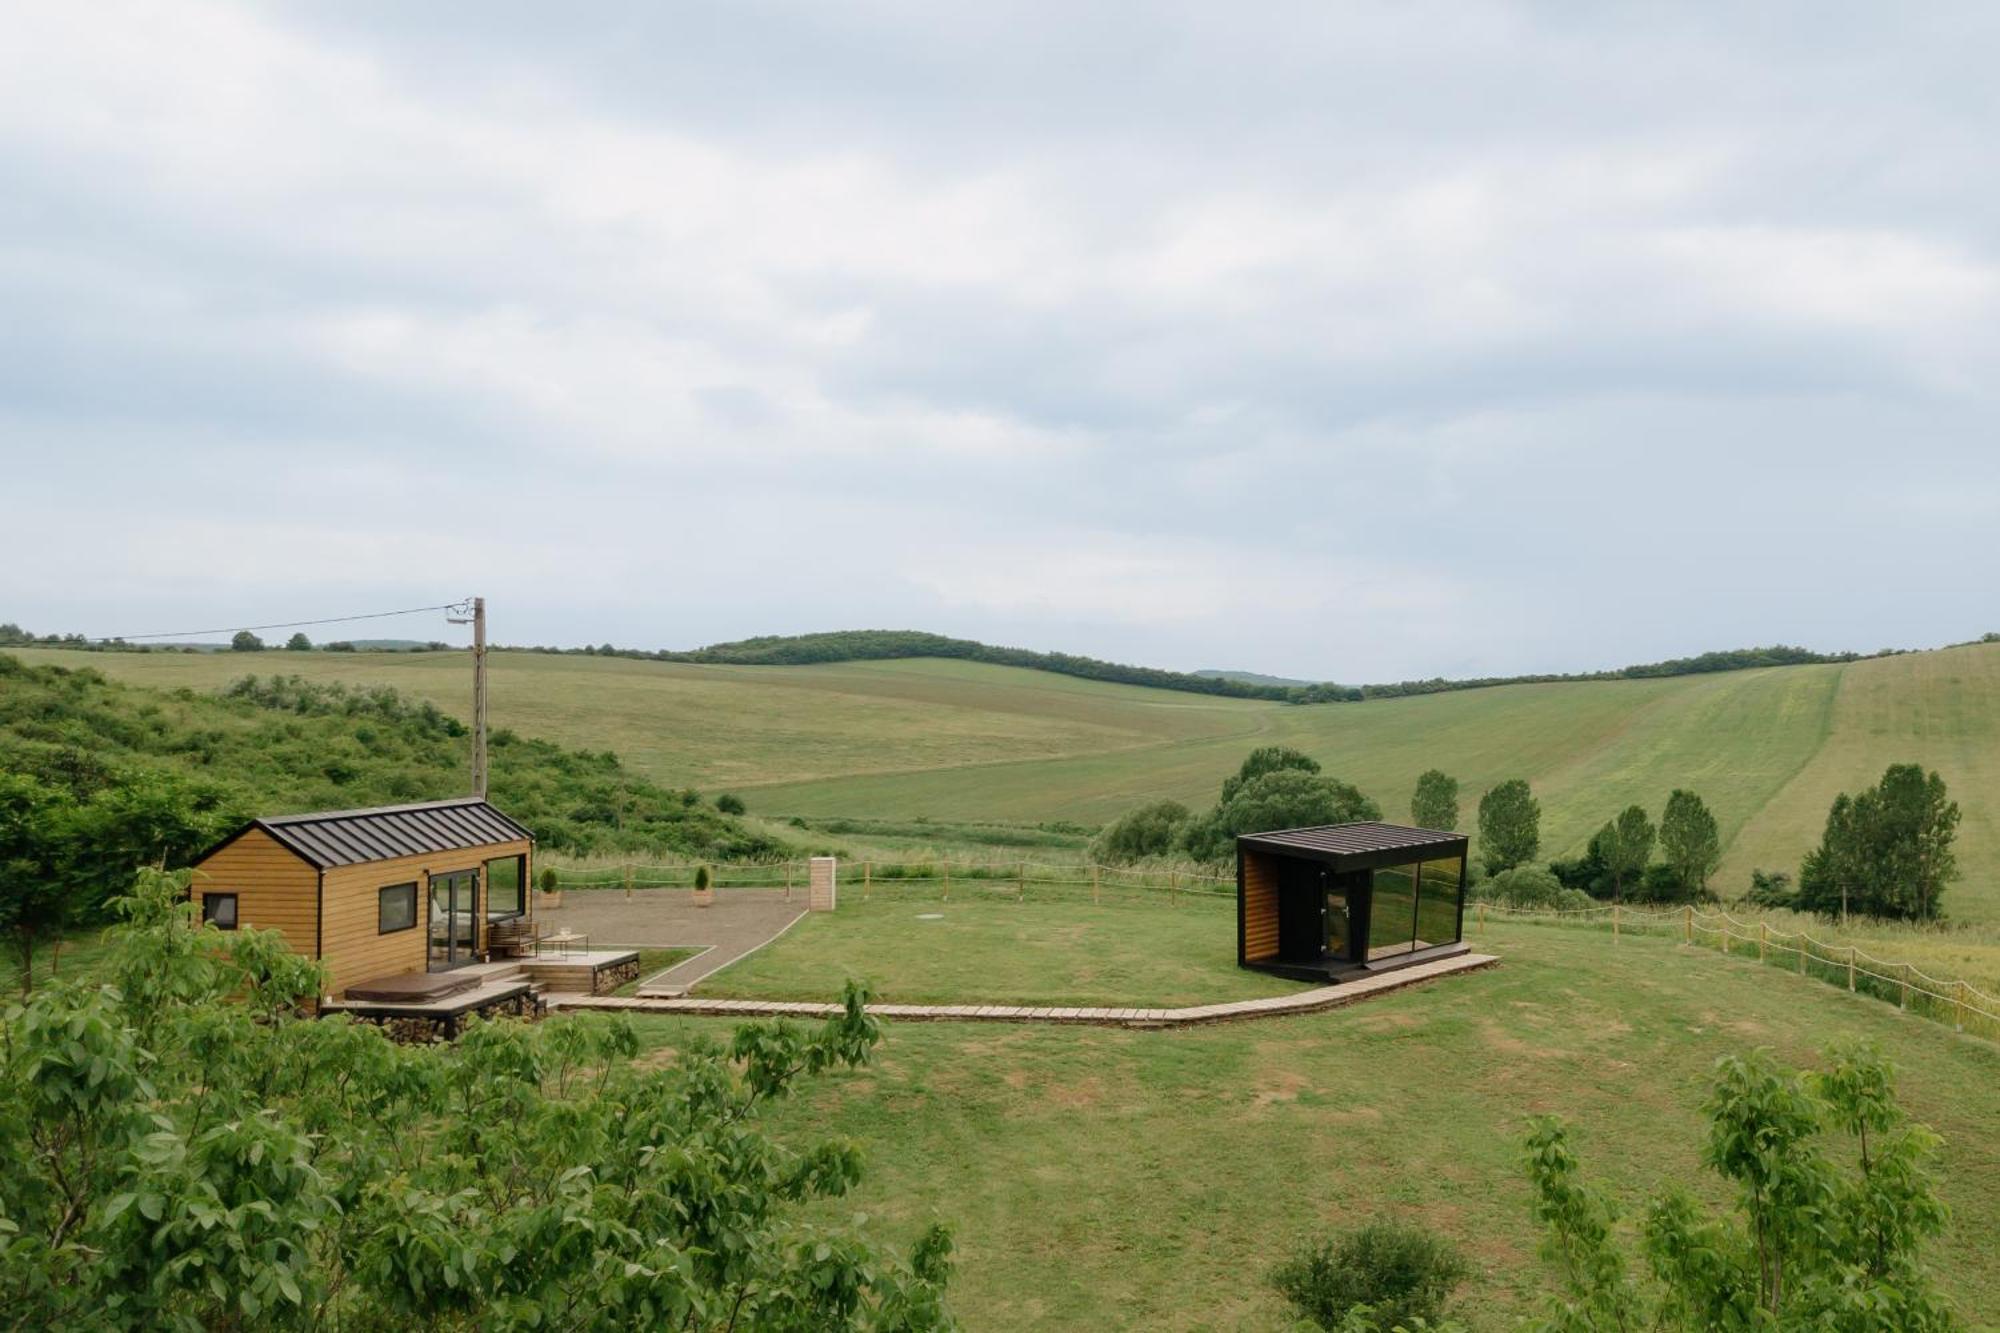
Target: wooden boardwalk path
x,y
1276,1006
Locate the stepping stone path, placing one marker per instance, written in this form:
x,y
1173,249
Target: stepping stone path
x,y
1276,1006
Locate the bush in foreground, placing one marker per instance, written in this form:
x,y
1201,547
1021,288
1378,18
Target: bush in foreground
x,y
1384,1275
185,1152
1811,1243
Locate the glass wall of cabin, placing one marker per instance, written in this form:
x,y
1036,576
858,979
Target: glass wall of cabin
x,y
1415,907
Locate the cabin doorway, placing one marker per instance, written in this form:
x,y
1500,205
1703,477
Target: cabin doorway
x,y
453,927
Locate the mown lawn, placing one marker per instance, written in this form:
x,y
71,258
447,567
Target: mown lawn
x,y
1101,1178
982,946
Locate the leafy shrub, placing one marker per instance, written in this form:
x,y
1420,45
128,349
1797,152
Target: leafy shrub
x,y
729,803
1390,1272
549,880
702,879
1286,798
1151,830
1531,886
1771,888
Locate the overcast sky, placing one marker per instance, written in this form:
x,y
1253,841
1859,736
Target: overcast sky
x,y
1348,342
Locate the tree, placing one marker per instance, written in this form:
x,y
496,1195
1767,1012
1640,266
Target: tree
x,y
1689,841
243,641
298,643
1266,759
36,899
1510,826
1434,805
178,1157
1150,830
729,803
1811,1244
1283,798
1626,844
1886,850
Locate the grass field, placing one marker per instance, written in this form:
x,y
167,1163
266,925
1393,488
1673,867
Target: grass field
x,y
913,949
1099,1178
959,741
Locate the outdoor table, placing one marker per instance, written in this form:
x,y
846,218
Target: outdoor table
x,y
562,939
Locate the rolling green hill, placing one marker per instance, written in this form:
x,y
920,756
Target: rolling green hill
x,y
960,740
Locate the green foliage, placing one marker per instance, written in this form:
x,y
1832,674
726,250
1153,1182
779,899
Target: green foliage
x,y
1287,797
1689,842
36,902
1811,1243
1266,759
1773,888
157,778
702,878
1626,844
1887,851
1530,887
1151,830
1434,804
243,641
1510,825
178,1159
1394,1274
729,803
549,880
298,643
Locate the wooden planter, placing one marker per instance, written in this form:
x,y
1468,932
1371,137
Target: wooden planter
x,y
704,897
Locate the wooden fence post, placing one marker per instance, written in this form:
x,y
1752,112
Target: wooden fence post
x,y
1093,884
1173,887
1614,923
1804,944
1763,939
1687,926
628,879
1903,1000
1850,967
1964,1003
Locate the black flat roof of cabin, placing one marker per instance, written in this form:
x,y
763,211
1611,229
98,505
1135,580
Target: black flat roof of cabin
x,y
330,838
1330,841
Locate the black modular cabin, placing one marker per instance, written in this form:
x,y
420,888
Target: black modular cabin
x,y
1343,900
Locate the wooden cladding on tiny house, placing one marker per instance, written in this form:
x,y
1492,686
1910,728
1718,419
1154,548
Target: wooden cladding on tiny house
x,y
1257,916
274,889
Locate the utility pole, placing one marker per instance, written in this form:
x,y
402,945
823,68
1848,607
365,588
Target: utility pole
x,y
478,692
479,697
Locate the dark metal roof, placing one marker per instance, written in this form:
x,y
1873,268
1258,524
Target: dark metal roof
x,y
352,837
1334,841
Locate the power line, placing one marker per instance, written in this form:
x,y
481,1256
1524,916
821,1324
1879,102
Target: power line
x,y
290,624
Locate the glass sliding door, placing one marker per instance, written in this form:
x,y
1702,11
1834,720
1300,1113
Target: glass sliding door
x,y
454,930
1392,912
1439,898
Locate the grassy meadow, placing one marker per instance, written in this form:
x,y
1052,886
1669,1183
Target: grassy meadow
x,y
1101,1178
959,743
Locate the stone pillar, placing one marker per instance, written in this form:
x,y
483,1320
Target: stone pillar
x,y
821,894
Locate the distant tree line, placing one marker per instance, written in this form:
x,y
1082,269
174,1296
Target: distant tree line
x,y
878,645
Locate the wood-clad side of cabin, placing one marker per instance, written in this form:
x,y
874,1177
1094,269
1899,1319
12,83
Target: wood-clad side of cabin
x,y
351,941
274,888
1260,907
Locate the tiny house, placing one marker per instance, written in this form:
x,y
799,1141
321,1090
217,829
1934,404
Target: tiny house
x,y
1329,903
374,893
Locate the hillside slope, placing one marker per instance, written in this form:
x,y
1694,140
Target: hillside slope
x,y
964,740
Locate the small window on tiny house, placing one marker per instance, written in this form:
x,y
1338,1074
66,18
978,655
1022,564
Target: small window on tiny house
x,y
219,910
395,908
505,878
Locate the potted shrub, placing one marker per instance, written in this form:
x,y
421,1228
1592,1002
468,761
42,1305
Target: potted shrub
x,y
704,887
551,888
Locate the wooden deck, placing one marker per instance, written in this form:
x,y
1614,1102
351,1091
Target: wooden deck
x,y
1303,1002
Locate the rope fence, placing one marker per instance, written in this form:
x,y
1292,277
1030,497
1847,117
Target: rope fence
x,y
1942,999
